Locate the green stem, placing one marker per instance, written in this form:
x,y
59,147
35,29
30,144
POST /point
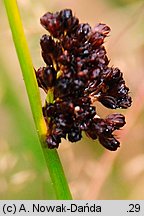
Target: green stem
x,y
51,156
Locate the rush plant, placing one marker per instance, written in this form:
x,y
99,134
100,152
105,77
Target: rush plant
x,y
76,74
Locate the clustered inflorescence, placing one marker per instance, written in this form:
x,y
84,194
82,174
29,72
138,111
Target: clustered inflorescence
x,y
78,74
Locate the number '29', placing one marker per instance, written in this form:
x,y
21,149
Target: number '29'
x,y
134,208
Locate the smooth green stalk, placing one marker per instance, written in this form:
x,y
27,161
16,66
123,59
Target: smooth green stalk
x,y
51,156
50,96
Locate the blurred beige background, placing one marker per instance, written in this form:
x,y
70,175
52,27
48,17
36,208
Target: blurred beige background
x,y
92,172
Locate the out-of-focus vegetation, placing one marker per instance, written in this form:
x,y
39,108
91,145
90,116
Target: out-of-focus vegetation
x,y
92,172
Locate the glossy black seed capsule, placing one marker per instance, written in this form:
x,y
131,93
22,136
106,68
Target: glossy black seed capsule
x,y
109,143
74,135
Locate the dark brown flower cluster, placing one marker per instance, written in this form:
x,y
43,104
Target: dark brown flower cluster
x,y
78,74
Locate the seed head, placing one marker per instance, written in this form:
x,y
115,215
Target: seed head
x,y
77,71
